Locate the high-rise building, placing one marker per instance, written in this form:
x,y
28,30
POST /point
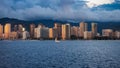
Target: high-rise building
x,y
20,30
58,28
66,31
25,35
41,32
94,29
20,27
7,30
37,31
83,28
41,25
75,31
15,28
45,33
1,31
52,33
107,33
32,27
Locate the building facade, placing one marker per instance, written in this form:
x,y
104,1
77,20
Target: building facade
x,y
88,35
52,33
83,28
7,31
32,27
94,29
66,31
75,31
1,31
107,33
58,28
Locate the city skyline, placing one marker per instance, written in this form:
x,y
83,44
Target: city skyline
x,y
60,31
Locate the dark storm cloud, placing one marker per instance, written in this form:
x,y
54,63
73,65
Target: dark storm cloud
x,y
75,10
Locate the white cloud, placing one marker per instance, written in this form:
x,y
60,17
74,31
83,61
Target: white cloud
x,y
95,3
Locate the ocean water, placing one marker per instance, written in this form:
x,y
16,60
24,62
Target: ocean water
x,y
65,54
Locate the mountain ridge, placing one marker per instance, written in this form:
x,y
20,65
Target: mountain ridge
x,y
50,23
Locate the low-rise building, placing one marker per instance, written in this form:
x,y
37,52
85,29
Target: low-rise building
x,y
88,35
107,33
117,34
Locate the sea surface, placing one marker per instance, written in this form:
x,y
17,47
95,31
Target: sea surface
x,y
63,54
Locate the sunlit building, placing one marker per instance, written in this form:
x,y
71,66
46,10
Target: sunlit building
x,y
35,32
39,31
13,35
7,30
88,35
25,35
66,31
1,31
83,28
52,33
107,33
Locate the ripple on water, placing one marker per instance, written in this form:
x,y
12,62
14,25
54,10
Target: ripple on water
x,y
66,54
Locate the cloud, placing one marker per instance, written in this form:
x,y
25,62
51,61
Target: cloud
x,y
75,10
95,3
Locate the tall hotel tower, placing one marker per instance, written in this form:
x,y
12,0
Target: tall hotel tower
x,y
7,30
58,28
83,28
1,31
66,33
32,27
94,29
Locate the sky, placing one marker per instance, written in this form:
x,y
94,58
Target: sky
x,y
71,10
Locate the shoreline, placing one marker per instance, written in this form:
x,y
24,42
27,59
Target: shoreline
x,y
63,40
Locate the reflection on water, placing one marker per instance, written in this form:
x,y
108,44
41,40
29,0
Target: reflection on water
x,y
65,54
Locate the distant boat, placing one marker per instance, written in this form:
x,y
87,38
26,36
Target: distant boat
x,y
56,40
